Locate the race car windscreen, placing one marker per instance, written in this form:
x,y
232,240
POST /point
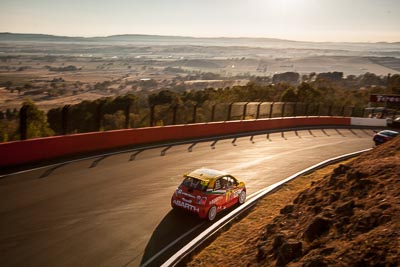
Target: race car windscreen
x,y
195,184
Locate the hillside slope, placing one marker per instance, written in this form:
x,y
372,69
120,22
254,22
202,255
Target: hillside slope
x,y
350,217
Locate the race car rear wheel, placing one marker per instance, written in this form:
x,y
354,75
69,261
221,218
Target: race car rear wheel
x,y
212,213
242,197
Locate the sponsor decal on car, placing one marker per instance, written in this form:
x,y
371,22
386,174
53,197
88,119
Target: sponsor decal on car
x,y
215,200
186,205
228,195
187,200
236,193
217,192
180,192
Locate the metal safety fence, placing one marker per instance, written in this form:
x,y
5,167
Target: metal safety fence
x,y
72,119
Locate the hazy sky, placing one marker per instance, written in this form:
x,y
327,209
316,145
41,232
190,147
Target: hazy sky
x,y
312,20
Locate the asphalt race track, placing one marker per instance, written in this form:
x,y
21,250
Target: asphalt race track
x,y
115,210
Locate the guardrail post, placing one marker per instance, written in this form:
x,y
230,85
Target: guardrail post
x,y
306,109
174,110
99,116
228,117
283,109
23,122
330,110
244,111
271,109
152,108
194,113
317,113
64,119
213,112
352,112
294,109
127,116
258,111
342,111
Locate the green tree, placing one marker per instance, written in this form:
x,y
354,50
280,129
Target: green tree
x,y
286,77
8,84
394,84
37,125
28,86
289,95
331,76
164,97
369,79
8,114
8,130
114,121
307,94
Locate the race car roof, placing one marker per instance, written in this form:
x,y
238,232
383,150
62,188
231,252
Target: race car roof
x,y
206,174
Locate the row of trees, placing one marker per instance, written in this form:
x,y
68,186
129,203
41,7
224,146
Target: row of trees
x,y
337,79
166,107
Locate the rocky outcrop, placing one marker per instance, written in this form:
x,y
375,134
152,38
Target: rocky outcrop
x,y
349,218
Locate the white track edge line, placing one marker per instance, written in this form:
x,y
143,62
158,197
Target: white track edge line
x,y
171,244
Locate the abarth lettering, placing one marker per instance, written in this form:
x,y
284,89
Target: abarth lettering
x,y
186,205
187,200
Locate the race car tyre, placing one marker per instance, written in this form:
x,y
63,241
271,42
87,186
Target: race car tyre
x,y
212,213
242,197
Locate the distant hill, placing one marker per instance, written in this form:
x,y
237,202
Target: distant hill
x,y
22,37
143,39
11,37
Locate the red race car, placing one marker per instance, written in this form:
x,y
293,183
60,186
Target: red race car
x,y
206,192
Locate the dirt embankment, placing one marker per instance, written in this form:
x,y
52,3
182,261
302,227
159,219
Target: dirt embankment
x,y
348,217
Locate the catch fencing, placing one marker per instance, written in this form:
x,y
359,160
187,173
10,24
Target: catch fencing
x,y
69,120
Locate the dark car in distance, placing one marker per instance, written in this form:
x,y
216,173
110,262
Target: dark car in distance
x,y
384,136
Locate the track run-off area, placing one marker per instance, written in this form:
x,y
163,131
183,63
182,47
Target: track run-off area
x,y
114,210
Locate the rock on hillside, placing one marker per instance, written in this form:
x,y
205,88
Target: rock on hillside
x,y
349,218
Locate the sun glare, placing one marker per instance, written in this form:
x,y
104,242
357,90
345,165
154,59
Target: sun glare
x,y
288,5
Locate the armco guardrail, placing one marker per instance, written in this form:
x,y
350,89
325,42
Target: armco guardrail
x,y
34,150
368,122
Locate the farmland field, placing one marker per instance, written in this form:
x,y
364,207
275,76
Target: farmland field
x,y
69,70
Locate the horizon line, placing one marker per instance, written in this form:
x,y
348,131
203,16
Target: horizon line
x,y
201,37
